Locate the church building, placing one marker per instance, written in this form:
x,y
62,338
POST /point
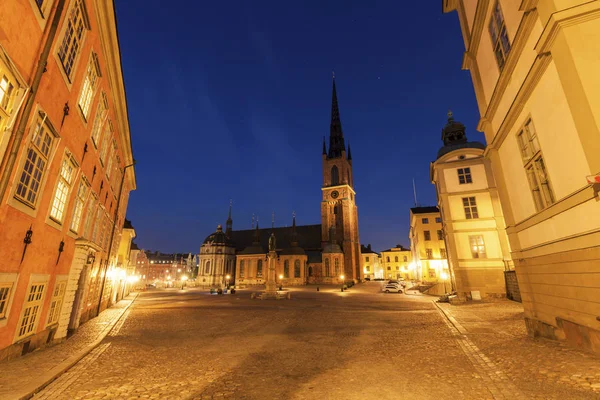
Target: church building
x,y
324,253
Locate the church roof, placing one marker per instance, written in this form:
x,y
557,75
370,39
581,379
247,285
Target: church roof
x,y
425,210
308,236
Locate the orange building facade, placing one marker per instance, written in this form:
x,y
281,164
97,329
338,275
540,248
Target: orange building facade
x,y
65,167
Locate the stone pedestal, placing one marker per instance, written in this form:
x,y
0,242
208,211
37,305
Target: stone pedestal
x,y
271,284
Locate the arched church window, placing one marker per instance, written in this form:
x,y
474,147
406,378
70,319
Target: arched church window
x,y
297,269
310,271
387,259
259,269
327,268
335,176
336,267
286,269
207,268
242,269
335,208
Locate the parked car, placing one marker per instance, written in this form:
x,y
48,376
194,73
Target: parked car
x,y
392,289
402,282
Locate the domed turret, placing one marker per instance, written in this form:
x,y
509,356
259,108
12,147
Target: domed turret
x,y
218,238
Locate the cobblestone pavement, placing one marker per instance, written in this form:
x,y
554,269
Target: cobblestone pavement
x,y
322,345
26,370
497,329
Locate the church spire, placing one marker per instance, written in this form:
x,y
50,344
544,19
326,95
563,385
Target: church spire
x,y
256,235
229,223
324,147
349,152
294,241
336,136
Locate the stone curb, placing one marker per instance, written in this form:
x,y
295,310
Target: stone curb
x,y
30,390
450,318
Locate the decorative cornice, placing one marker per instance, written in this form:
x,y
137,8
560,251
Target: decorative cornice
x,y
107,26
528,5
478,24
529,84
565,18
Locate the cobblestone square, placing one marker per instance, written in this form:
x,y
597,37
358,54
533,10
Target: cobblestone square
x,y
360,344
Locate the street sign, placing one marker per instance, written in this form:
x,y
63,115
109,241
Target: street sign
x,y
593,179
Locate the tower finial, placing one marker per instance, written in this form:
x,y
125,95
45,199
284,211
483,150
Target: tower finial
x,y
333,74
273,220
229,223
450,115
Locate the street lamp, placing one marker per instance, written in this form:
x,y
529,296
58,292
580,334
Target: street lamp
x,y
227,280
342,278
183,279
280,282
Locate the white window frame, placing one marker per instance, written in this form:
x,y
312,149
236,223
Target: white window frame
x,y
40,148
74,31
470,207
6,289
32,307
535,166
62,190
7,280
464,174
499,36
89,86
99,119
80,200
58,295
477,245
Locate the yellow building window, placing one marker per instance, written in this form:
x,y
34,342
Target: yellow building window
x,y
73,37
35,164
500,42
5,288
464,176
535,167
57,300
31,310
63,188
89,85
470,207
477,246
428,253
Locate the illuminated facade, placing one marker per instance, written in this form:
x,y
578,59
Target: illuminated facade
x,y
371,260
427,244
65,176
478,249
397,263
534,66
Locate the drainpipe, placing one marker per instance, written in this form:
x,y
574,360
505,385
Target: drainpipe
x,y
20,129
112,236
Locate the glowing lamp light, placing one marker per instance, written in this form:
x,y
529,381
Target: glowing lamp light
x,y
184,278
133,279
280,276
227,277
444,276
342,277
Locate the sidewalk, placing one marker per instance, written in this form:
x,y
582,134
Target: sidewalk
x,y
24,376
498,331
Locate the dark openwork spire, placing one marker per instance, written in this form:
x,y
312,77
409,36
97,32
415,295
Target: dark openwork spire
x,y
349,152
336,136
229,223
256,235
294,241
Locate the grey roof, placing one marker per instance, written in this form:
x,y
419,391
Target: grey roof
x,y
425,210
218,238
308,236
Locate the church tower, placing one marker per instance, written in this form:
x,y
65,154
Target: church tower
x,y
338,207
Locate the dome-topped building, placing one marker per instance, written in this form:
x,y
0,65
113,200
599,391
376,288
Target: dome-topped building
x,y
217,259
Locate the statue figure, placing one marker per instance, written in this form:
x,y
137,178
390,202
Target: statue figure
x,y
272,242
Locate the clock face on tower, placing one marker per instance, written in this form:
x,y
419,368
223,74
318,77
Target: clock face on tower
x,y
335,194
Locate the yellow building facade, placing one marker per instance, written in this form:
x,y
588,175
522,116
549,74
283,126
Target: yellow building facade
x,y
427,245
371,261
534,66
478,249
397,263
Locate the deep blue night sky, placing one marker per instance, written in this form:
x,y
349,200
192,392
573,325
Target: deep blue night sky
x,y
231,100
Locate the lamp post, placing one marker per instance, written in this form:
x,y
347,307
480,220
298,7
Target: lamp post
x,y
227,277
183,279
280,282
112,236
342,278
